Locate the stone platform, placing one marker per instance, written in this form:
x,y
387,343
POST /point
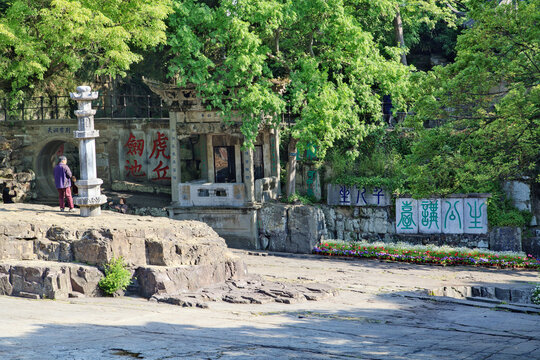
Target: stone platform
x,y
45,253
42,249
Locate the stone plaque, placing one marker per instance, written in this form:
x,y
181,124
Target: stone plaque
x,y
452,216
475,215
429,216
353,196
406,216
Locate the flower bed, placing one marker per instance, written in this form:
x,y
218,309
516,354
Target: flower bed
x,y
430,254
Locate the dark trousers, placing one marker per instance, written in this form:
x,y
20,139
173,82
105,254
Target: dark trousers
x,y
62,195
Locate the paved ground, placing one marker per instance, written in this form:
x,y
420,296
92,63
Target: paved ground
x,y
370,319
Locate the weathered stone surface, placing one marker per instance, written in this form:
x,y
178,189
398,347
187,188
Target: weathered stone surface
x,y
305,225
166,250
48,280
274,225
53,250
16,249
251,290
5,286
291,228
505,239
84,280
175,280
98,246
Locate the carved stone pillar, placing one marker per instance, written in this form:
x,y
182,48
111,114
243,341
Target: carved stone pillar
x,y
249,176
90,198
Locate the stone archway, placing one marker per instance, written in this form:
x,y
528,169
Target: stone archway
x,y
47,160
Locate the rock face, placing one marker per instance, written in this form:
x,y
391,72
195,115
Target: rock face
x,y
176,280
168,256
252,290
48,280
15,185
291,228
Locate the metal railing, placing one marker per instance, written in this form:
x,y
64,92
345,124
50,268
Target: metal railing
x,y
107,106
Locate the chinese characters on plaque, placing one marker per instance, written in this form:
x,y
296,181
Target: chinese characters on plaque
x,y
447,216
353,196
146,156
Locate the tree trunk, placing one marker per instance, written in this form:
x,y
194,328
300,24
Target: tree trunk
x,y
398,28
291,173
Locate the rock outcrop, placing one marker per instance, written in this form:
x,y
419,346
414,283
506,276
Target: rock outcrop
x,y
168,256
48,280
290,228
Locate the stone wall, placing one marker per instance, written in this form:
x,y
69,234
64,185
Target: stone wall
x,y
357,223
290,228
16,183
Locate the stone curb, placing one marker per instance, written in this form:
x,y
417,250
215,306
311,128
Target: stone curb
x,y
480,302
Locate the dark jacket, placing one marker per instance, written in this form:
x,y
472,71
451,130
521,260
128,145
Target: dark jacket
x,y
62,176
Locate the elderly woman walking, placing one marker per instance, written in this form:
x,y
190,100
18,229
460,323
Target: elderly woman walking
x,y
62,180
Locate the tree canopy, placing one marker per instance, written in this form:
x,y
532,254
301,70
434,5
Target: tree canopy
x,y
487,103
46,42
334,72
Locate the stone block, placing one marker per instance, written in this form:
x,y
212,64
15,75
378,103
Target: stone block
x,y
352,196
305,226
475,215
53,250
273,225
98,246
5,286
502,294
429,216
16,249
505,238
156,280
452,216
406,216
84,280
520,193
49,280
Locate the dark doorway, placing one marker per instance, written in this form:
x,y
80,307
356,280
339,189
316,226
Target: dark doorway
x,y
48,159
224,166
258,164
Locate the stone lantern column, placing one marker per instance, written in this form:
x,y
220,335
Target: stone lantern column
x,y
90,198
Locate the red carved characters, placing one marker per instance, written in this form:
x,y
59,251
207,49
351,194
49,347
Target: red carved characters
x,y
136,162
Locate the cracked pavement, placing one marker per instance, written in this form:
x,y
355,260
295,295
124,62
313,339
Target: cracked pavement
x,y
370,318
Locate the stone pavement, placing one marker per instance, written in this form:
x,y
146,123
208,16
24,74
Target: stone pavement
x,y
370,318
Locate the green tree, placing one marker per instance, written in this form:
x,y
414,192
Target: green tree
x,y
236,52
487,103
44,43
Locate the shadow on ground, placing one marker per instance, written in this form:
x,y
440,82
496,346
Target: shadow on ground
x,y
404,329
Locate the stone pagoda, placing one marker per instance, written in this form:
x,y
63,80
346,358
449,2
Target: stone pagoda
x,y
90,198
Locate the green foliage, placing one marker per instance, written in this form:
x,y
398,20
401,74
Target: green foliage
x,y
117,276
304,200
44,43
488,104
380,164
502,213
237,54
535,296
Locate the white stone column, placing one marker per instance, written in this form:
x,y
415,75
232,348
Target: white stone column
x,y
90,198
